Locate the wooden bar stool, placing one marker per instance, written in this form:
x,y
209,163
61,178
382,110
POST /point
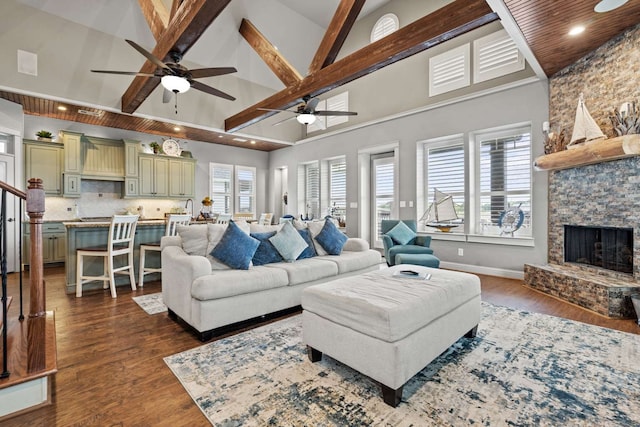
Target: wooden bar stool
x,y
171,230
120,243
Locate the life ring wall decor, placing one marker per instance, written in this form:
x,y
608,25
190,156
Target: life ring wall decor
x,y
511,220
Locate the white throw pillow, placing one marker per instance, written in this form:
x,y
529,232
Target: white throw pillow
x,y
315,227
194,238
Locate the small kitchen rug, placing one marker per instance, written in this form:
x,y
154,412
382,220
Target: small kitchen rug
x,y
151,303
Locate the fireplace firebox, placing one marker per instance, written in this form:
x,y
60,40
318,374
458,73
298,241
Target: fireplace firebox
x,y
605,247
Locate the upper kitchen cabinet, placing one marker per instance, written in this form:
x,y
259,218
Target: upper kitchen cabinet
x,y
154,175
44,160
182,177
72,152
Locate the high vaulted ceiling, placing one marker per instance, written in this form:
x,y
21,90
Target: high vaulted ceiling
x,y
298,30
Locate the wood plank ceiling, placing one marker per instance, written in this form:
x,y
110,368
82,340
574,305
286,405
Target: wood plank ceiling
x,y
545,25
49,108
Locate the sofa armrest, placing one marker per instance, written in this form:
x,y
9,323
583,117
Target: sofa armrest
x,y
176,262
179,270
355,244
423,241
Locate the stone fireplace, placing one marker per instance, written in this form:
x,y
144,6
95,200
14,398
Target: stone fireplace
x,y
599,207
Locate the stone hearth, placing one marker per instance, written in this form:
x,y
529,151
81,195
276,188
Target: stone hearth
x,y
601,195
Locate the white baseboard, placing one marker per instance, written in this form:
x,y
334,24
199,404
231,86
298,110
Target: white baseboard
x,y
489,271
22,396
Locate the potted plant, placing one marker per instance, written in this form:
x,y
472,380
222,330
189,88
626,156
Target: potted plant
x,y
156,147
44,135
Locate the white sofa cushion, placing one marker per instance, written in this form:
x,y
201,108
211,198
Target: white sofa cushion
x,y
306,270
353,261
228,283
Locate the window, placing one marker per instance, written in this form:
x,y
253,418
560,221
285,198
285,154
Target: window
x,y
221,188
495,55
309,189
338,188
384,26
246,189
450,70
233,188
338,102
504,181
445,171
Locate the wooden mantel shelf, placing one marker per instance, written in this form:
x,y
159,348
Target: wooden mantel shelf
x,y
590,153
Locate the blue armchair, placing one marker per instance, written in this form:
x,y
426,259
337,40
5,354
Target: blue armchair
x,y
418,245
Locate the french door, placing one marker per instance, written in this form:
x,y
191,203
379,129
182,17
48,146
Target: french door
x,y
383,193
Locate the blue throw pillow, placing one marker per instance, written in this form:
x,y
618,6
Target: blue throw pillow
x,y
288,242
236,248
266,252
331,239
401,233
310,252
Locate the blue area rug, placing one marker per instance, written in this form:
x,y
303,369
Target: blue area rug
x,y
522,369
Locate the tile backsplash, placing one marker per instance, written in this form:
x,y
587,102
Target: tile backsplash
x,y
104,198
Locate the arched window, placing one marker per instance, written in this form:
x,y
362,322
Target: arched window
x,y
386,25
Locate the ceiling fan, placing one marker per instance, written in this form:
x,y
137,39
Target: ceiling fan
x,y
306,113
176,78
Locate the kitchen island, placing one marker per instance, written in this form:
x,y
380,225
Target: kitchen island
x,y
82,234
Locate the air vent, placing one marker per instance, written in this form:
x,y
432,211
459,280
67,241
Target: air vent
x,y
384,26
91,113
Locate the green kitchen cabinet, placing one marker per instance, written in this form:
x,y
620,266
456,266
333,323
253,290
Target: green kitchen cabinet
x,y
54,243
72,152
44,160
154,176
183,176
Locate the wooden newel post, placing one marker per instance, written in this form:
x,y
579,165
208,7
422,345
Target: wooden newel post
x,y
36,327
35,210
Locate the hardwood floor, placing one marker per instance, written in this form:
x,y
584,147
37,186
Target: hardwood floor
x,y
110,367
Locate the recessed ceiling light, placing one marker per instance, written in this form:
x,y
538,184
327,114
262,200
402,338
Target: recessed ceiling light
x,y
578,29
608,5
219,136
239,139
62,108
253,142
176,128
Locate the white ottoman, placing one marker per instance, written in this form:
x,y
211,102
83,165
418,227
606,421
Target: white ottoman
x,y
389,328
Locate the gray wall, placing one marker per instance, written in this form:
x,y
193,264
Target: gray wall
x,y
526,103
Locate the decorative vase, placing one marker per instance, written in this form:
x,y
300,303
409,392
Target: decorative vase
x,y
205,211
41,138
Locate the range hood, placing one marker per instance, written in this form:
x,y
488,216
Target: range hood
x,y
103,159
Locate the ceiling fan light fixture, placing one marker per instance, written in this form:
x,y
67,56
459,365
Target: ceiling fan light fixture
x,y
608,5
175,84
306,119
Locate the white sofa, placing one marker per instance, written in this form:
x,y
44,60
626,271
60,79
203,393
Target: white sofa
x,y
213,299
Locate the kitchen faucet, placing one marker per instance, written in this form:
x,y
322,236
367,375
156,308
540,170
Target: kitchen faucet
x,y
186,207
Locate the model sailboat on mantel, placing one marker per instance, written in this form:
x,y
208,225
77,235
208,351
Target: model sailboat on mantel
x,y
441,214
585,129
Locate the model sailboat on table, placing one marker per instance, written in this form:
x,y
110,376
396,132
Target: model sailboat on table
x,y
585,129
441,213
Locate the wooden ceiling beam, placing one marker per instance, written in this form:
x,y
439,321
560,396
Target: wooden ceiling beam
x,y
174,8
269,54
446,23
337,32
190,22
156,15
